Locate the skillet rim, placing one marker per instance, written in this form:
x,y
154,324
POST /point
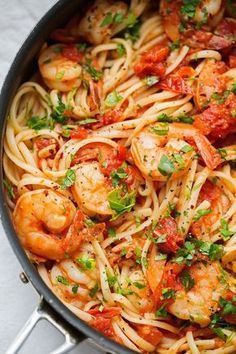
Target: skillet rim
x,y
14,78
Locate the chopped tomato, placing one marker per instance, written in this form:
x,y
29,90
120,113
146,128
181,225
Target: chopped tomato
x,y
151,62
72,53
211,193
102,320
150,334
167,227
42,143
114,160
169,281
209,154
108,118
206,40
232,61
170,11
217,121
79,133
176,84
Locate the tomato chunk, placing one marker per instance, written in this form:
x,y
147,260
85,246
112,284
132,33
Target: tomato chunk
x,y
218,120
72,53
167,227
151,62
79,133
103,319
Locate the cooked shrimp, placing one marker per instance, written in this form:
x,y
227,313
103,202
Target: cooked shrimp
x,y
201,302
96,15
47,224
208,12
91,190
59,72
161,153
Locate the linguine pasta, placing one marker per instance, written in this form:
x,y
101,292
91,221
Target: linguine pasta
x,y
119,160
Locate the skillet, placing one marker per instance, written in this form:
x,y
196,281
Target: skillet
x,y
49,308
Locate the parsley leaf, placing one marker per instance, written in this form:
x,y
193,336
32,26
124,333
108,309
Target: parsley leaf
x,y
38,123
139,285
161,312
228,307
62,280
200,213
225,231
151,80
117,176
9,189
113,99
94,290
166,166
86,263
160,129
186,279
58,112
189,8
168,293
174,45
121,203
69,179
94,73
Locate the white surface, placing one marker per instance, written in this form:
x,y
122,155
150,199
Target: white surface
x,y
17,301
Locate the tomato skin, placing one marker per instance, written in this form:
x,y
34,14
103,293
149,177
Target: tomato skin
x,y
150,334
102,320
151,62
168,226
217,120
169,280
176,84
232,61
42,143
72,53
227,28
114,160
79,133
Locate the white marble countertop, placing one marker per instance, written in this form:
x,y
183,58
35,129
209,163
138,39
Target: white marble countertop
x,y
17,301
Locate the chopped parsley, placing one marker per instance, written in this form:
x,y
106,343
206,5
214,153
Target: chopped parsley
x,y
69,179
186,279
164,118
113,99
160,129
132,31
109,19
200,213
139,285
121,50
121,203
218,324
75,289
183,118
58,112
188,8
94,290
187,148
87,121
62,280
112,280
168,293
111,232
228,308
117,176
94,73
174,45
225,232
9,189
123,252
166,166
161,312
86,263
39,123
151,80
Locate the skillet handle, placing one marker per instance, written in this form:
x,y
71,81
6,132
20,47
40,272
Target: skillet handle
x,y
45,312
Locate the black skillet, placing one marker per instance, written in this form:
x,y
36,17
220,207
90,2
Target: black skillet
x,y
50,307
